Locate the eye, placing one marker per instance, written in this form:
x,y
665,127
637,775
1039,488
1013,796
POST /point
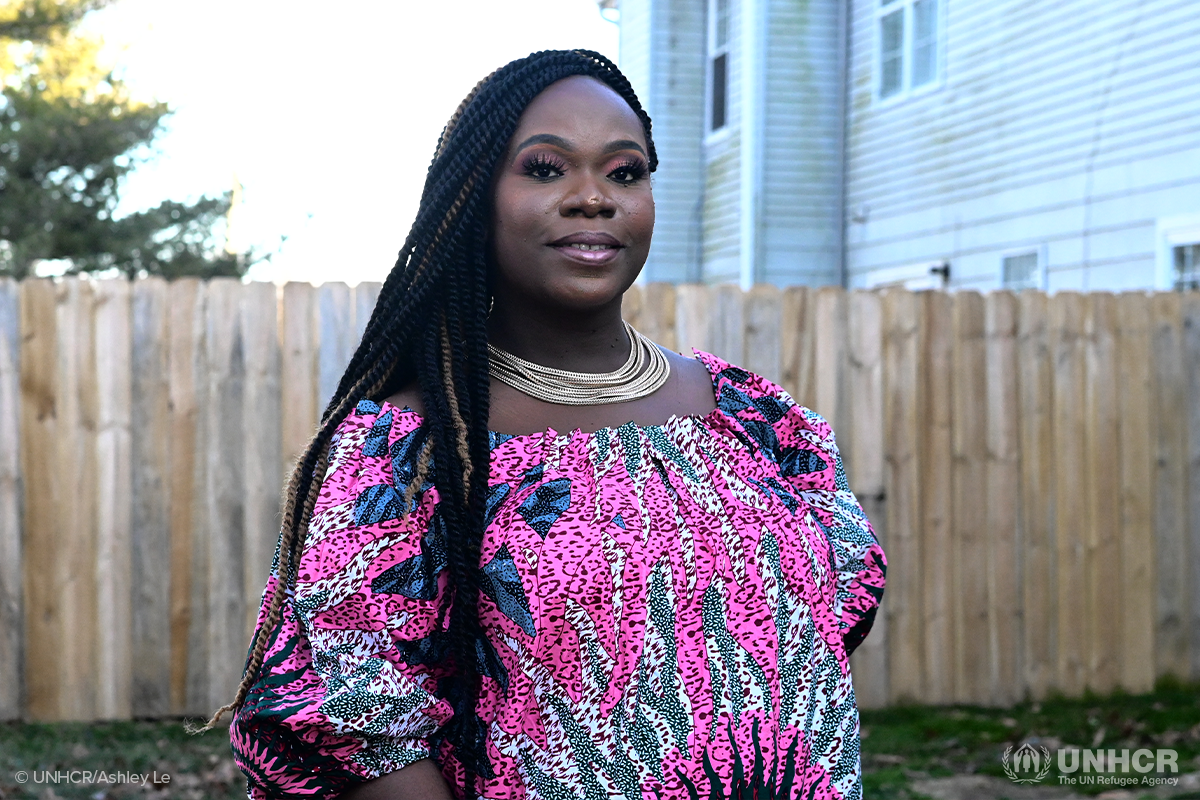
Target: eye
x,y
628,172
543,166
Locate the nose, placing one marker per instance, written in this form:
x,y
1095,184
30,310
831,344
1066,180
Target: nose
x,y
589,197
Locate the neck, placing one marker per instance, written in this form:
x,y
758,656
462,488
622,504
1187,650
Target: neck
x,y
589,341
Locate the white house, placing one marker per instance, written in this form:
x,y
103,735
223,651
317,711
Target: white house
x,y
972,143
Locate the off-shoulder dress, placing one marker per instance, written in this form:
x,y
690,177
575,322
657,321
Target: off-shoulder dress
x,y
669,611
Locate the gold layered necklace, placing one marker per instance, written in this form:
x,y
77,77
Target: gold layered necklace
x,y
642,374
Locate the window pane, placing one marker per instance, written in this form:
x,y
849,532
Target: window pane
x,y
924,68
719,80
722,24
1187,266
891,53
1021,272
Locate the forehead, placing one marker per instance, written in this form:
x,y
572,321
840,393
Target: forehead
x,y
580,109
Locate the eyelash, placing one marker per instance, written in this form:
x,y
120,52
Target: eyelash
x,y
634,167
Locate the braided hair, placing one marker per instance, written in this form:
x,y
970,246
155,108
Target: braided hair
x,y
429,326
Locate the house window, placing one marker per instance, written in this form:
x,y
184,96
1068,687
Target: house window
x,y
1021,271
718,61
1186,259
908,46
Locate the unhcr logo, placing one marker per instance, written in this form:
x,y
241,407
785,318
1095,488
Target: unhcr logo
x,y
1028,764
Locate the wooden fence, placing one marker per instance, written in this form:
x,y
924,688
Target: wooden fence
x,y
1031,463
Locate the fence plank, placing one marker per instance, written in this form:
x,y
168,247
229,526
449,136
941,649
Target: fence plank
x,y
1003,481
763,345
1035,382
693,308
829,355
1103,473
935,498
969,486
114,502
1171,639
224,497
262,436
865,466
1191,369
1067,315
12,623
798,350
335,338
658,315
726,323
366,294
298,329
188,365
150,533
1137,613
903,609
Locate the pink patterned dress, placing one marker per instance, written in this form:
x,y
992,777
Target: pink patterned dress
x,y
669,608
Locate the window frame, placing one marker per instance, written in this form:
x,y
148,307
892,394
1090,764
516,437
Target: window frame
x,y
711,53
884,8
1040,270
1172,232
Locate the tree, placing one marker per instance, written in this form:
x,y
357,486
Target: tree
x,y
69,133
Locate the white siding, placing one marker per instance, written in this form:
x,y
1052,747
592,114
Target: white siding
x,y
801,171
662,54
722,173
1068,124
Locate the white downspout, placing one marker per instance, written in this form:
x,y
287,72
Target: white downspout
x,y
753,47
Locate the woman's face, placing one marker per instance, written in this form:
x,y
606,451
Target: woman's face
x,y
572,210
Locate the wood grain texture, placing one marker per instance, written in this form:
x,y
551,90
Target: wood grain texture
x,y
150,531
298,340
1035,429
1191,369
1002,476
865,464
187,363
366,294
972,621
1135,404
726,323
1171,638
693,309
829,355
903,606
1069,349
796,326
658,315
1103,483
224,496
763,345
262,437
114,498
935,520
335,338
12,623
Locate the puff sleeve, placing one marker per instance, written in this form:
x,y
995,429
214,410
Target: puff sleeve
x,y
348,688
802,446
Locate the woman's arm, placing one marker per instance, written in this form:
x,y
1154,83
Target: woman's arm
x,y
419,781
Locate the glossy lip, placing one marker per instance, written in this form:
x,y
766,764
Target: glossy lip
x,y
611,251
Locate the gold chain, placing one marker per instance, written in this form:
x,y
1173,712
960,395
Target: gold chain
x,y
642,374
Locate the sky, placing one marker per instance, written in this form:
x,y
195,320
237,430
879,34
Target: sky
x,y
326,114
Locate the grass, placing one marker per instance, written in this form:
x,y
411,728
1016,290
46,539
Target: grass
x,y
907,743
900,745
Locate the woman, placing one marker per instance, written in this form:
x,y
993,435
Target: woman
x,y
465,602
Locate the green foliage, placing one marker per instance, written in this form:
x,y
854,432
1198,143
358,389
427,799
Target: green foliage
x,y
69,133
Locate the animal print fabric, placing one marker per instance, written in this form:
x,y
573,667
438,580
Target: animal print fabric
x,y
669,610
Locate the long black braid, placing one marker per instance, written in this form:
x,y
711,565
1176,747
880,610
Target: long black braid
x,y
429,325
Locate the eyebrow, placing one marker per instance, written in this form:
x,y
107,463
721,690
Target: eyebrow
x,y
560,142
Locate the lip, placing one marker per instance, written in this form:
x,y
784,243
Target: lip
x,y
569,246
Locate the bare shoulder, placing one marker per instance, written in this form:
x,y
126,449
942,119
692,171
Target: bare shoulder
x,y
695,384
408,397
